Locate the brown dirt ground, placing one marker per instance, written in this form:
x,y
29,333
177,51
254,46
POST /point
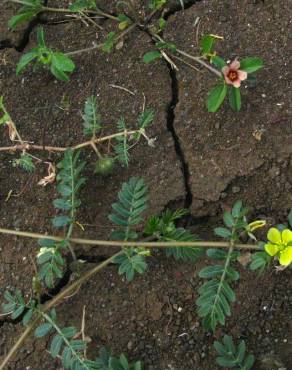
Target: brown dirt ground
x,y
225,162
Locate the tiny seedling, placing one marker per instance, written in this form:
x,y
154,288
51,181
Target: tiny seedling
x,y
58,63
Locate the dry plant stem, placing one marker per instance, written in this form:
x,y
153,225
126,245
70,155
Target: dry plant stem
x,y
26,146
67,11
87,275
200,61
99,46
123,244
196,59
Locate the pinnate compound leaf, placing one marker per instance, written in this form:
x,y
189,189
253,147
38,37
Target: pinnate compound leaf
x,y
132,202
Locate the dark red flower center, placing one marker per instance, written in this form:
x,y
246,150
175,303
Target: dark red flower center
x,y
232,75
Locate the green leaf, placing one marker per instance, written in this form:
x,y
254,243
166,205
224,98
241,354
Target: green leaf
x,y
145,118
56,345
248,363
66,357
132,202
60,75
211,271
69,332
131,262
25,162
109,43
43,330
91,117
218,62
250,65
62,204
217,254
259,261
206,44
151,56
27,317
80,5
228,219
181,253
18,312
235,98
290,218
41,37
21,18
223,232
62,62
25,60
216,97
60,221
236,210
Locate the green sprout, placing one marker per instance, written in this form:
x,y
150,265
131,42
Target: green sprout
x,y
58,63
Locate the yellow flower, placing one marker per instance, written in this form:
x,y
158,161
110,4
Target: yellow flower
x,y
280,245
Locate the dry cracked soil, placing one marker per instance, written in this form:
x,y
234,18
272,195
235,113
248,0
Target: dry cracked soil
x,y
200,161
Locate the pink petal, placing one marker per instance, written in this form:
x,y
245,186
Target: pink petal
x,y
228,81
225,70
242,75
235,64
236,83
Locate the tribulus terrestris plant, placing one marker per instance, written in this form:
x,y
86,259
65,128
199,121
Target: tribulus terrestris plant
x,y
215,296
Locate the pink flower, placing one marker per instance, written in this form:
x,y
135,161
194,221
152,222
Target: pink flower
x,y
233,75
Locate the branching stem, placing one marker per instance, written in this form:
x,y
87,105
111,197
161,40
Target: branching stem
x,y
26,146
50,304
123,244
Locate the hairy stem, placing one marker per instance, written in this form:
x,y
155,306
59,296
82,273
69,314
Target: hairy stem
x,y
194,58
99,46
50,304
59,331
125,244
27,146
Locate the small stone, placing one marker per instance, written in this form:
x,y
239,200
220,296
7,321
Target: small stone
x,y
235,189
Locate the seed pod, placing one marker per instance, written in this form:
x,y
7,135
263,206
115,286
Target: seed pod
x,y
104,166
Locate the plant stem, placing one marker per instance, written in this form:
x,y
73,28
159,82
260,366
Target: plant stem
x,y
87,275
27,146
123,244
200,61
222,279
66,11
65,340
99,46
196,59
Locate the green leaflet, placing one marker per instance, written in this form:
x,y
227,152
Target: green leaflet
x,y
233,356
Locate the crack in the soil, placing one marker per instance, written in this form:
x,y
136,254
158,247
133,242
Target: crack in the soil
x,y
178,8
63,282
171,128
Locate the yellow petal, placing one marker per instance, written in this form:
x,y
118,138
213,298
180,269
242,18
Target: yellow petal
x,y
272,249
286,256
274,236
286,236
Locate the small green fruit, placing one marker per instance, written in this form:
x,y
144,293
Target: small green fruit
x,y
104,165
